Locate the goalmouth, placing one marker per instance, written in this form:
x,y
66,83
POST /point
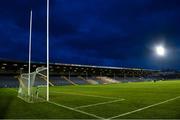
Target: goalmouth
x,y
36,90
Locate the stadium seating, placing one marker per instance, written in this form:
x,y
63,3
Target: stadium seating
x,y
92,82
59,74
8,81
132,79
107,80
77,80
11,81
59,80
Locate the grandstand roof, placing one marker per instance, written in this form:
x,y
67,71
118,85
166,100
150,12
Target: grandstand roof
x,y
2,61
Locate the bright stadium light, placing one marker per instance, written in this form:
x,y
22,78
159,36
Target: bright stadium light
x,y
160,50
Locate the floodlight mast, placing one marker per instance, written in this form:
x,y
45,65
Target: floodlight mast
x,y
47,50
30,39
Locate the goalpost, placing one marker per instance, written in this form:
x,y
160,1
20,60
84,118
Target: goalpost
x,y
32,84
47,50
33,89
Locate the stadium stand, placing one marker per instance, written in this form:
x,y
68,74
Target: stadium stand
x,y
84,79
77,80
107,80
69,80
8,81
98,79
72,74
59,80
90,81
133,79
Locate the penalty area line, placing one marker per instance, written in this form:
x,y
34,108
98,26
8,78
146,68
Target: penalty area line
x,y
150,106
101,103
76,110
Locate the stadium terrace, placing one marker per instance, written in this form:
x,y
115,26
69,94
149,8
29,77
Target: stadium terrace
x,y
75,74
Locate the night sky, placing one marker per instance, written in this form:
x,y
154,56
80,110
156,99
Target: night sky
x,y
93,32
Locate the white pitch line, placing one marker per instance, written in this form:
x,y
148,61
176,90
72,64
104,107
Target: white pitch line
x,y
76,110
145,107
86,95
96,104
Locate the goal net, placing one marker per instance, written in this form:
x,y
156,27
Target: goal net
x,y
35,89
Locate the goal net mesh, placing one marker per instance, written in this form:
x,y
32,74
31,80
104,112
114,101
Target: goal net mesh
x,y
36,90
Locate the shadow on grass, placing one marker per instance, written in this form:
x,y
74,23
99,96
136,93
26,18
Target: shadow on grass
x,y
6,99
5,103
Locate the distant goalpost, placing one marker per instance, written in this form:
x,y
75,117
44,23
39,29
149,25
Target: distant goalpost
x,y
34,86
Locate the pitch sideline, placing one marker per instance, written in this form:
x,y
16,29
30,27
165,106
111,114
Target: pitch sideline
x,y
134,111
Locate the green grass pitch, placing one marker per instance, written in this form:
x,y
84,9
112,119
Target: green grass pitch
x,y
145,100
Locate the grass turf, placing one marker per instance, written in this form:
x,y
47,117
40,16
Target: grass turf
x,y
136,95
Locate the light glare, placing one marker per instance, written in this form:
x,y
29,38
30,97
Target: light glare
x,y
160,50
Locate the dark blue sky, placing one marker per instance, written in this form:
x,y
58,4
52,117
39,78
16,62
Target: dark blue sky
x,y
96,32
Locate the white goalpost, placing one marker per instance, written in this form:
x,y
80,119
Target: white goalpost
x,y
34,86
47,50
30,38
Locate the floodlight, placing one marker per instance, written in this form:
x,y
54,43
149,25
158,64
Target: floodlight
x,y
160,50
